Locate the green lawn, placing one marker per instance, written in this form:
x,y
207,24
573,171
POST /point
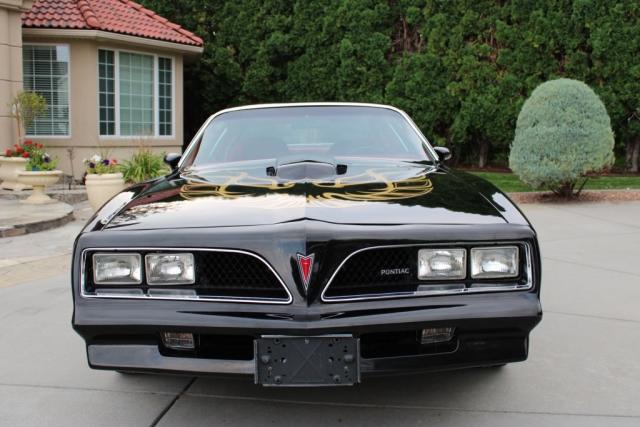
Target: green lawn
x,y
510,183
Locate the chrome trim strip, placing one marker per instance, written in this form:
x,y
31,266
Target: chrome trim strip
x,y
84,294
198,134
496,288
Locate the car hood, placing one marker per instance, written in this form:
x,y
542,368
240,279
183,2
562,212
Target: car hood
x,y
381,192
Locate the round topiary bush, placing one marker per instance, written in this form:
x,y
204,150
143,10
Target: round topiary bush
x,y
563,132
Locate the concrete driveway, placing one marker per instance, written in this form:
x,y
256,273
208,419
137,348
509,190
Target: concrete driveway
x,y
583,369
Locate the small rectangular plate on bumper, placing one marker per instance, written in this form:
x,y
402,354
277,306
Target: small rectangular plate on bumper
x,y
307,361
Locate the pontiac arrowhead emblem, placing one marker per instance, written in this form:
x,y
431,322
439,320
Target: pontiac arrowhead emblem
x,y
305,264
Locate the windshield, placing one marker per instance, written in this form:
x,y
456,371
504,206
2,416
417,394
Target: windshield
x,y
309,133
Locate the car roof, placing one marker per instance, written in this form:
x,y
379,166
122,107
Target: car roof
x,y
309,104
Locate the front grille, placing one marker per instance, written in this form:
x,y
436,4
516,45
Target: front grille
x,y
380,272
220,274
362,273
230,274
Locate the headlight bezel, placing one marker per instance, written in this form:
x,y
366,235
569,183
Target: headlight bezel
x,y
460,277
148,269
94,266
522,272
477,249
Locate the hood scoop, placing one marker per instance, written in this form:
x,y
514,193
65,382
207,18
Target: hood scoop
x,y
307,169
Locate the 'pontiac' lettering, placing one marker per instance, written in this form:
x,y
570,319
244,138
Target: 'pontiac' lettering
x,y
394,271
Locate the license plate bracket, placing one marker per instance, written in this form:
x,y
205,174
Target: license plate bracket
x,y
307,361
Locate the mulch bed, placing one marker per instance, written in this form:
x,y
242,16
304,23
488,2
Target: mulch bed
x,y
585,196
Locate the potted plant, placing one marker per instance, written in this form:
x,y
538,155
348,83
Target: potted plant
x,y
144,165
39,172
103,180
25,107
14,161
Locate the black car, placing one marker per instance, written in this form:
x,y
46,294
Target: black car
x,y
307,244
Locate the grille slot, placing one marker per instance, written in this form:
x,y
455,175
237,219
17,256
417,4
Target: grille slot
x,y
232,274
221,274
385,270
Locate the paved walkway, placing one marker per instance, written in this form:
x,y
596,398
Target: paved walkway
x,y
583,369
17,218
44,254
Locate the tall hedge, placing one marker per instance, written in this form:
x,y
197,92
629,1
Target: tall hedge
x,y
461,68
563,133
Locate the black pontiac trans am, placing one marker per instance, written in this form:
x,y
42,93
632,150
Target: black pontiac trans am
x,y
307,244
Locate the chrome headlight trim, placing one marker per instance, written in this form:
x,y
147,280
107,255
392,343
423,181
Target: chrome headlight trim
x,y
129,282
148,272
452,290
477,249
85,294
461,276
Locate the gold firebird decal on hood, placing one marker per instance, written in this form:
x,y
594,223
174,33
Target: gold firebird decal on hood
x,y
375,185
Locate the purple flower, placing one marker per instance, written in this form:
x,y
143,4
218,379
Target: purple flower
x,y
46,158
105,162
92,165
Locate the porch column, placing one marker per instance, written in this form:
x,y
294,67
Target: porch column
x,y
10,65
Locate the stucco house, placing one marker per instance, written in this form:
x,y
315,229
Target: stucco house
x,y
110,70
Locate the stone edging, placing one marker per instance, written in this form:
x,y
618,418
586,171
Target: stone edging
x,y
32,227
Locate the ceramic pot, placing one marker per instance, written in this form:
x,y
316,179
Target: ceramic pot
x,y
102,187
9,169
39,180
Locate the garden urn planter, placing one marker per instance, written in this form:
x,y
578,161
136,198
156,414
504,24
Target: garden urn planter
x,y
39,180
102,187
9,169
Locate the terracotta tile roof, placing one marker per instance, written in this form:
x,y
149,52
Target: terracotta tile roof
x,y
117,16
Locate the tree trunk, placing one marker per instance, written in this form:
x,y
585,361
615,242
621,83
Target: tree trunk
x,y
633,156
565,190
483,154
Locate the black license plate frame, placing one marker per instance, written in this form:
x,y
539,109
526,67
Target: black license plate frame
x,y
307,361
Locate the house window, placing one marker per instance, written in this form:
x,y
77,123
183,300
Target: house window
x,y
136,94
46,72
107,92
165,80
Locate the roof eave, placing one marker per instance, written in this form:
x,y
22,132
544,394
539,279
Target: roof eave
x,y
100,35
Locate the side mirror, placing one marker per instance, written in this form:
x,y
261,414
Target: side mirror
x,y
444,153
172,159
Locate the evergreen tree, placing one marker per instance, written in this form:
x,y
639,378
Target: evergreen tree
x,y
461,68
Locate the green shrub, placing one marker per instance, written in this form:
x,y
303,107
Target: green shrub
x,y
563,132
144,165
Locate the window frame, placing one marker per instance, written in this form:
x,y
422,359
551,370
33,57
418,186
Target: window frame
x,y
69,97
156,113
